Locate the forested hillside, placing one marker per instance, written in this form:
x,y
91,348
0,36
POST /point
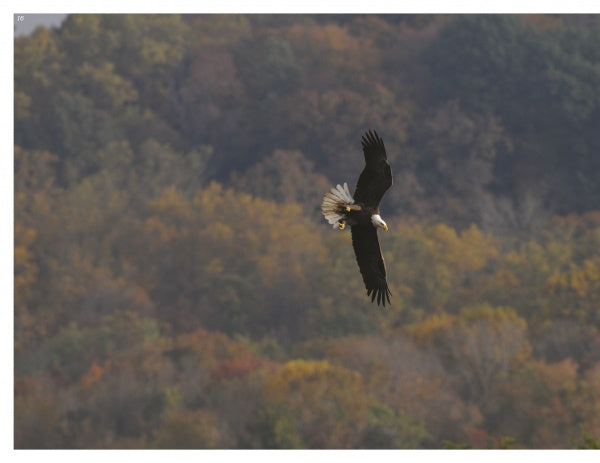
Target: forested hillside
x,y
175,283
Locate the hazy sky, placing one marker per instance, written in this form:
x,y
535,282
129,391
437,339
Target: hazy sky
x,y
26,23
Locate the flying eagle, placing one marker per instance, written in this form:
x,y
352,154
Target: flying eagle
x,y
361,212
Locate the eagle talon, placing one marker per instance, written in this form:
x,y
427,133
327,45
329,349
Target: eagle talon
x,y
342,225
347,208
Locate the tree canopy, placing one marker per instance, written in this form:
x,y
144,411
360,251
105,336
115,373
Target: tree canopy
x,y
176,287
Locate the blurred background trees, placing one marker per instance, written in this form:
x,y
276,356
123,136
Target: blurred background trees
x,y
175,286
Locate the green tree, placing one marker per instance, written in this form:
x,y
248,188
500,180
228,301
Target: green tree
x,y
276,428
285,177
386,430
327,402
456,167
535,81
437,268
268,67
417,404
478,348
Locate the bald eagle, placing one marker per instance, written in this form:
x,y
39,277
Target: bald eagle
x,y
361,212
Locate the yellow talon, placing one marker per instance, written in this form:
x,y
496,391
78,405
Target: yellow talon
x,y
342,225
347,208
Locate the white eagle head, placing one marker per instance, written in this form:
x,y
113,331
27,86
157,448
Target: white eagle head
x,y
377,221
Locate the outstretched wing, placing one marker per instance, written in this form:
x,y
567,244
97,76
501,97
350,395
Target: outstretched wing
x,y
370,262
376,177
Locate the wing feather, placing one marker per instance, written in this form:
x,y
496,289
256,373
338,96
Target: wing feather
x,y
370,262
376,177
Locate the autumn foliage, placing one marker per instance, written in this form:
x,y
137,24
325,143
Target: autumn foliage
x,y
176,287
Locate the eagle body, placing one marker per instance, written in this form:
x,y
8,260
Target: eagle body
x,y
356,217
361,213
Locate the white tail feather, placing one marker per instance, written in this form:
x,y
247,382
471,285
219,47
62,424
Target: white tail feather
x,y
334,201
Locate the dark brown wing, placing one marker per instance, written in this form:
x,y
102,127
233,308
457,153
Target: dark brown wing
x,y
376,177
370,262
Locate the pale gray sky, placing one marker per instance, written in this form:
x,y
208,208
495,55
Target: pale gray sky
x,y
26,23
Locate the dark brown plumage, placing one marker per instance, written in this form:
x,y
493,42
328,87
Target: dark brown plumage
x,y
361,212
